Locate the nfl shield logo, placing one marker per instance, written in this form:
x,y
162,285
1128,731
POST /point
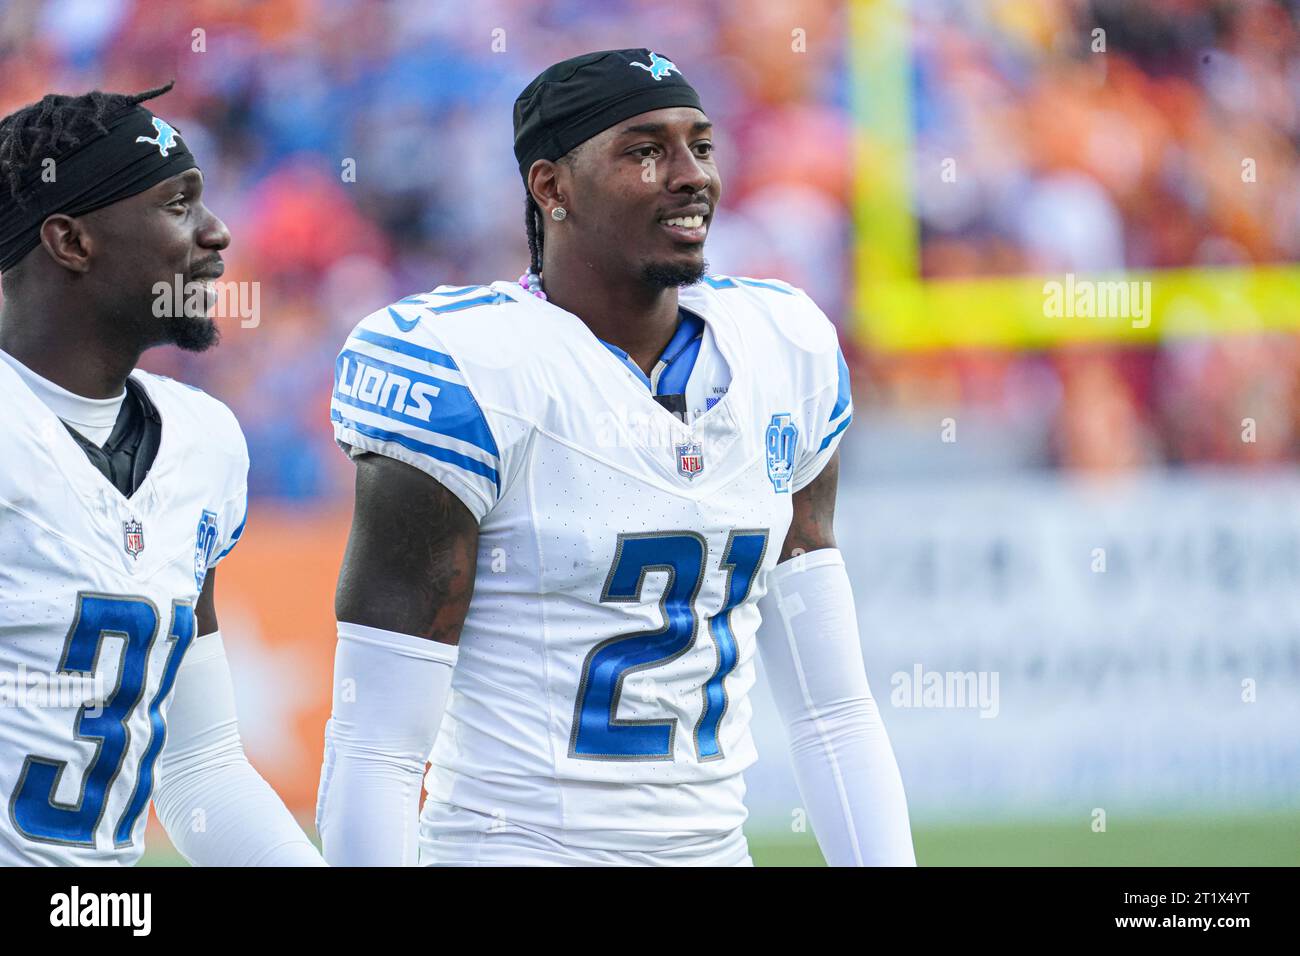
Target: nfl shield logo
x,y
133,537
690,459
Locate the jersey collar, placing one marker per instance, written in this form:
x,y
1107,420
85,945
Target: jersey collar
x,y
673,370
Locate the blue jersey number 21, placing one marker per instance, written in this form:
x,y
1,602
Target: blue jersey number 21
x,y
597,733
34,809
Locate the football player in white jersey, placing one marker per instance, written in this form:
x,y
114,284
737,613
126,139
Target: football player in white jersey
x,y
120,491
583,502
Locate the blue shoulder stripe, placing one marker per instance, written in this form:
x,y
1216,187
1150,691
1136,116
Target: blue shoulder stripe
x,y
406,348
495,298
431,451
844,393
453,292
234,538
765,285
831,437
420,299
406,325
726,282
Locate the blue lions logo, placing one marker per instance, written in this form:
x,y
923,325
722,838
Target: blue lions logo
x,y
660,66
782,437
166,138
204,547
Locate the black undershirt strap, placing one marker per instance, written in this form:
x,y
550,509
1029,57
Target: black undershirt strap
x,y
674,403
125,459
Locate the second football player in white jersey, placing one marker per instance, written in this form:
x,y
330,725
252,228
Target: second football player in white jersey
x,y
120,492
579,516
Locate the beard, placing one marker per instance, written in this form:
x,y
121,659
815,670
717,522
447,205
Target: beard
x,y
191,333
663,275
170,317
192,327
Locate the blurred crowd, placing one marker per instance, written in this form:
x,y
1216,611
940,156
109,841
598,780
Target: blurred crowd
x,y
1094,136
281,99
1107,135
418,95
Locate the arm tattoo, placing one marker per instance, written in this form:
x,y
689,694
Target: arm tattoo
x,y
411,555
814,513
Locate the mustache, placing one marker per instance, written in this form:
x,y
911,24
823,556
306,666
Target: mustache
x,y
213,268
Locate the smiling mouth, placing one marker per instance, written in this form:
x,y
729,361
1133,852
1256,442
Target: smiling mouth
x,y
687,228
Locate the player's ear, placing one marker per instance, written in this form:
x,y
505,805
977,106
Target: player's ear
x,y
544,184
67,241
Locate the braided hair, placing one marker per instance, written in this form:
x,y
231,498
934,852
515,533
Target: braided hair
x,y
54,125
532,223
533,217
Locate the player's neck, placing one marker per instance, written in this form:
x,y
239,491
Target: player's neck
x,y
637,318
73,359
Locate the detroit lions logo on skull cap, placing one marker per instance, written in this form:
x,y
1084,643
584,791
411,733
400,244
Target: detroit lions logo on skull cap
x,y
166,138
660,66
571,101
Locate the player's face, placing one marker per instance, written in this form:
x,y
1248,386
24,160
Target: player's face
x,y
149,240
645,172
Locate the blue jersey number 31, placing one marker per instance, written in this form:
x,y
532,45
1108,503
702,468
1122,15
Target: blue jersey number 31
x,y
34,809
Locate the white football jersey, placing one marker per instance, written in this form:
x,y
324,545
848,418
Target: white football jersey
x,y
97,596
606,660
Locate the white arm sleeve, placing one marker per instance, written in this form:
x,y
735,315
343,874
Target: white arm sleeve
x,y
216,808
389,693
843,762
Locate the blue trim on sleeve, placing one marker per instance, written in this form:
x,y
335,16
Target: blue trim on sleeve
x,y
234,538
844,394
462,427
453,412
431,451
831,437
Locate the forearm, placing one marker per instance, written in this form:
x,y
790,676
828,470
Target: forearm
x,y
216,808
389,694
844,764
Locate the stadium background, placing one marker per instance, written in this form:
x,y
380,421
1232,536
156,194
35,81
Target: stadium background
x,y
922,170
